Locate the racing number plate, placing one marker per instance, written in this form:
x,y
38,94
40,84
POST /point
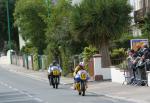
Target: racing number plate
x,y
83,76
55,72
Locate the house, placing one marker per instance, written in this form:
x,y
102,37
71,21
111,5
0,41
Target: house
x,y
140,9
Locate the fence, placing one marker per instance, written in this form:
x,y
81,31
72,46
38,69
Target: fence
x,y
117,62
29,61
36,63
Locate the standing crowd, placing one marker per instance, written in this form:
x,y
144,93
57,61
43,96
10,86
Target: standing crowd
x,y
138,64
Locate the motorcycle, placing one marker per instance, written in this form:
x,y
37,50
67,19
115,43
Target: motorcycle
x,y
54,79
81,84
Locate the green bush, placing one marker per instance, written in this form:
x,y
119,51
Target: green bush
x,y
27,49
123,65
65,61
45,60
35,62
35,59
123,42
118,53
87,54
118,56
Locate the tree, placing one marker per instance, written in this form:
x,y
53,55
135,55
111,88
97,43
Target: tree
x,y
100,21
3,21
58,31
57,28
61,44
29,17
3,25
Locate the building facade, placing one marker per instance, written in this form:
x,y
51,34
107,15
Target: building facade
x,y
140,10
142,7
137,14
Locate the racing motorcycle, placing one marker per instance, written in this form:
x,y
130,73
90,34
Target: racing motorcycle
x,y
54,80
81,84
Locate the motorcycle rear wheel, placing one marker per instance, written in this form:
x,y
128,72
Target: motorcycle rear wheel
x,y
56,86
79,93
50,83
83,88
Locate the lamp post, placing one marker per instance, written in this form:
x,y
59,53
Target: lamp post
x,y
8,23
48,6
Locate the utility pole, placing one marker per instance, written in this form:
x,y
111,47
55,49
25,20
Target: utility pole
x,y
8,23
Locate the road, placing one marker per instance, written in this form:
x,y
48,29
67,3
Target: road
x,y
15,88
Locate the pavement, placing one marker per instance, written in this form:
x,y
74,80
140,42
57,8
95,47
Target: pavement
x,y
39,75
137,94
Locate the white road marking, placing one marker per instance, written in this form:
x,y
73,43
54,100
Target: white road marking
x,y
38,99
5,84
22,92
15,89
10,87
30,96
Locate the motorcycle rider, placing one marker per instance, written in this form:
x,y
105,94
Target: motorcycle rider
x,y
53,66
78,67
78,71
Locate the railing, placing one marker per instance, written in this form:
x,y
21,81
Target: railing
x,y
140,14
28,61
118,62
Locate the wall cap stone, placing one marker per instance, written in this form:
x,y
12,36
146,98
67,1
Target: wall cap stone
x,y
97,55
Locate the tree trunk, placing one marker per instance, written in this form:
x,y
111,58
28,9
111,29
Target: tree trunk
x,y
104,51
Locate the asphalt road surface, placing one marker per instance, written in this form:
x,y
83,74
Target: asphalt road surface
x,y
15,88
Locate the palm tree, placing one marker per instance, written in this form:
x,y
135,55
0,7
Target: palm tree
x,y
100,21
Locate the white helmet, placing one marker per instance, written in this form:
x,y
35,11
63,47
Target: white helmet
x,y
81,64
